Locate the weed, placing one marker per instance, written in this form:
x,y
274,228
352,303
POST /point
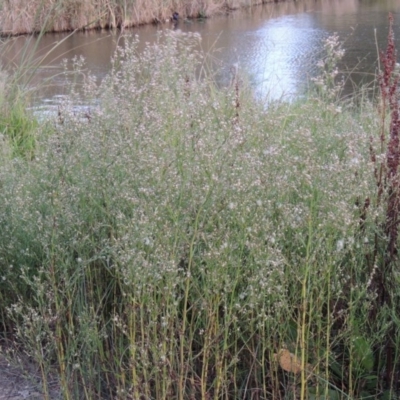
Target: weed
x,y
17,127
187,242
387,182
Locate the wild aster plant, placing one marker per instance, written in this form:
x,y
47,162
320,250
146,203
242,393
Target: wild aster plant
x,y
327,81
173,242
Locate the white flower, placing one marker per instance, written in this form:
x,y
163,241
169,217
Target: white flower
x,y
147,241
354,161
340,245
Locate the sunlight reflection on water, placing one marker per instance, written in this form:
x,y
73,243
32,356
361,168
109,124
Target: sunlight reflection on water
x,y
276,45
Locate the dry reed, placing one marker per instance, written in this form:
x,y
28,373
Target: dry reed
x,y
19,17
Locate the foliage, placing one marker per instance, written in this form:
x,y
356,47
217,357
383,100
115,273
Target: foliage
x,y
184,241
17,127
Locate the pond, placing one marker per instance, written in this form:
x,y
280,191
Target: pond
x,y
277,45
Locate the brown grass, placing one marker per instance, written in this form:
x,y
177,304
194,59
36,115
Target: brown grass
x,y
21,17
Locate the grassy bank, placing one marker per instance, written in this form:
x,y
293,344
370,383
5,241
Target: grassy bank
x,y
17,127
20,17
183,241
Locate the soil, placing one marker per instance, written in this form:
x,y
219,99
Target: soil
x,y
20,380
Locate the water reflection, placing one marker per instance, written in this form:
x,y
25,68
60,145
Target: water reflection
x,y
277,44
282,57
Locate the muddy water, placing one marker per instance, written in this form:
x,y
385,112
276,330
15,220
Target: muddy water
x,y
277,45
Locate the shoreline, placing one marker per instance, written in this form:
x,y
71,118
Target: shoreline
x,y
19,19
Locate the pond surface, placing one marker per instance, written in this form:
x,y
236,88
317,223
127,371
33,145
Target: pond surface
x,y
277,44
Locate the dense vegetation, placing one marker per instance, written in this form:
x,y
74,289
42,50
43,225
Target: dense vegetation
x,y
183,240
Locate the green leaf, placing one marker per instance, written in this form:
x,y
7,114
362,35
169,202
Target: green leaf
x,y
363,354
388,395
336,368
371,381
364,395
331,395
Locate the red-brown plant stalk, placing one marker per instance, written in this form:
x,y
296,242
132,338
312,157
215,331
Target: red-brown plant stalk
x,y
388,181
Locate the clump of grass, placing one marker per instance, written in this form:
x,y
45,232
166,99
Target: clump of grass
x,y
184,241
17,126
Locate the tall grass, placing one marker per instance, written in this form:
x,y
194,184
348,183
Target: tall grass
x,y
17,126
183,241
19,17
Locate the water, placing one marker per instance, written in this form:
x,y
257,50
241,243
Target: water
x,y
277,45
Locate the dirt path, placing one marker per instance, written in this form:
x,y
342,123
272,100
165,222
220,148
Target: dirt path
x,y
18,383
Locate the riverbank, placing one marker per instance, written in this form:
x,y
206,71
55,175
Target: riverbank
x,y
18,17
20,378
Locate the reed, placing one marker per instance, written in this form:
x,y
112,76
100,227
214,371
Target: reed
x,y
18,17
